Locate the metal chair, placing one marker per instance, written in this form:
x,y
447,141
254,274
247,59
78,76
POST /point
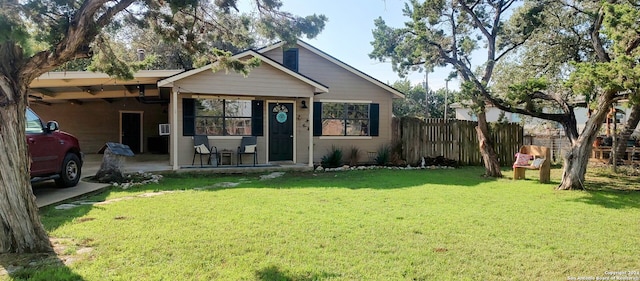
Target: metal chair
x,y
248,145
201,147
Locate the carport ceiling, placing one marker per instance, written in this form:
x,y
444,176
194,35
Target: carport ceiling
x,y
80,86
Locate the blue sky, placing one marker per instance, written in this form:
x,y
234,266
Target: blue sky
x,y
347,35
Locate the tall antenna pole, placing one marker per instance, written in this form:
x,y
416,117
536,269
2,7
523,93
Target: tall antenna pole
x,y
426,94
446,96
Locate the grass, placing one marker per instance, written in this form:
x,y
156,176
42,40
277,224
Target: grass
x,y
357,225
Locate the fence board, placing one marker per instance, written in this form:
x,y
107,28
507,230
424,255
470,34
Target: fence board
x,y
453,139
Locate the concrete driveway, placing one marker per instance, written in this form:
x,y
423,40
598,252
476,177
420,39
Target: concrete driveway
x,y
47,193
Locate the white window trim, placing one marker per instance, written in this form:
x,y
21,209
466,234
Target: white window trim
x,y
346,101
213,97
224,137
346,137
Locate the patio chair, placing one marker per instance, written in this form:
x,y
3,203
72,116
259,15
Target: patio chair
x,y
248,145
201,147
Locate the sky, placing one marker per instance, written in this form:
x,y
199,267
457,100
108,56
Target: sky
x,y
347,35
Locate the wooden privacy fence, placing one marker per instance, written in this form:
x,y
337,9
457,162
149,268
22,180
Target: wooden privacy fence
x,y
453,139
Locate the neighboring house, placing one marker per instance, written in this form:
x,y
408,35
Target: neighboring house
x,y
534,126
299,103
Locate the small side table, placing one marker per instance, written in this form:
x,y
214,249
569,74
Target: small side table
x,y
226,155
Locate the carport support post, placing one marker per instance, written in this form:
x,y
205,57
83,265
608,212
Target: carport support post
x,y
174,130
310,118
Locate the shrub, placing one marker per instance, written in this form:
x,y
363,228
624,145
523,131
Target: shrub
x,y
437,161
354,155
333,159
384,155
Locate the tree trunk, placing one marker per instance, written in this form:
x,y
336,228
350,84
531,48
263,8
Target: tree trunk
x,y
627,131
21,230
575,165
577,158
489,157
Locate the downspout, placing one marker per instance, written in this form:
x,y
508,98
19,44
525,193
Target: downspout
x,y
310,118
174,129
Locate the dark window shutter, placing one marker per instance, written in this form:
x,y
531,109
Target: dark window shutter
x,y
290,59
374,116
257,118
188,117
317,119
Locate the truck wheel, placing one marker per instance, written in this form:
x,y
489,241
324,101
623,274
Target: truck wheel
x,y
71,171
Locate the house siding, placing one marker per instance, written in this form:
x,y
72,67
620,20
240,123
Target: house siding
x,y
264,80
97,122
263,83
347,86
185,143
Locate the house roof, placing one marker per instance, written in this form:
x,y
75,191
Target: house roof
x,y
320,88
339,63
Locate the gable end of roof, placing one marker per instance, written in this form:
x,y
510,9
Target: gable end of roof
x,y
337,62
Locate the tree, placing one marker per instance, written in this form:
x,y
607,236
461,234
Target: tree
x,y
38,36
414,102
627,131
602,72
447,33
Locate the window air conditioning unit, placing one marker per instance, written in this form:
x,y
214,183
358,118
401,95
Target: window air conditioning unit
x,y
164,129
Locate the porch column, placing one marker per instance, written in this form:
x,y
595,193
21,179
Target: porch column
x,y
174,129
310,118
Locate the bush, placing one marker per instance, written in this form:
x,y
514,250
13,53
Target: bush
x,y
384,155
354,155
437,161
333,159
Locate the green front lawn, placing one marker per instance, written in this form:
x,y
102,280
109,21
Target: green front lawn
x,y
357,225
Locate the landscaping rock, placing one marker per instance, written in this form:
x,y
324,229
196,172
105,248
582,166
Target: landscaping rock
x,y
271,176
111,169
65,206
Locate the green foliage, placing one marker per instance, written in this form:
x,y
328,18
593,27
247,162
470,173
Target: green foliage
x,y
384,155
418,224
173,33
226,62
620,73
112,61
333,158
354,155
471,97
413,105
521,94
441,33
12,30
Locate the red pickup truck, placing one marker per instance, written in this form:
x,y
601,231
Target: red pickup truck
x,y
54,154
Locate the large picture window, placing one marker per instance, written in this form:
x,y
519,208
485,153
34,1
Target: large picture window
x,y
345,119
215,117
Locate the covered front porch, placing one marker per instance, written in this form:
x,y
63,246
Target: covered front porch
x,y
273,104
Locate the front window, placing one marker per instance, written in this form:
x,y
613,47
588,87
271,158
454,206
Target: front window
x,y
345,119
223,117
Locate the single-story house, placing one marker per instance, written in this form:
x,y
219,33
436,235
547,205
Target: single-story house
x,y
298,103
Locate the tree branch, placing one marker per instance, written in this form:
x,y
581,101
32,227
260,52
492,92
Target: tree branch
x,y
75,43
601,53
475,18
633,44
